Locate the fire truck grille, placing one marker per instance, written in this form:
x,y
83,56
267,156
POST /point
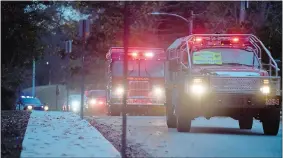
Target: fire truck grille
x,y
235,85
139,88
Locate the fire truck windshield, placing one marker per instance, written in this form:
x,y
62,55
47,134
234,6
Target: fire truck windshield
x,y
151,68
224,56
139,68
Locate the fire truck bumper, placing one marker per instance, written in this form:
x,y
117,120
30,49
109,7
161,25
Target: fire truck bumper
x,y
236,101
231,104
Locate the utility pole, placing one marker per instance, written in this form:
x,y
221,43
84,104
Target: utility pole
x,y
124,119
33,77
84,31
68,49
243,6
49,82
191,23
57,93
49,72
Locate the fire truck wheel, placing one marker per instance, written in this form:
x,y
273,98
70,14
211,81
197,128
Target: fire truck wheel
x,y
183,124
271,121
170,117
246,123
183,114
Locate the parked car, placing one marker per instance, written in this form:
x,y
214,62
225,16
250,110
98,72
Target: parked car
x,y
30,103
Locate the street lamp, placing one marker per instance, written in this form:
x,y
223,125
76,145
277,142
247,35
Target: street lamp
x,y
33,78
188,21
49,72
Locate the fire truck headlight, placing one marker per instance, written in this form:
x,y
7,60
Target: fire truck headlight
x,y
119,90
93,101
157,91
265,89
198,88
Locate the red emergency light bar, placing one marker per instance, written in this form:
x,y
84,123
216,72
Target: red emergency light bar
x,y
134,54
219,41
137,54
235,39
198,39
201,39
149,54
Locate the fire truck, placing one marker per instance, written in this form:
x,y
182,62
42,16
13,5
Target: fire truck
x,y
145,80
227,75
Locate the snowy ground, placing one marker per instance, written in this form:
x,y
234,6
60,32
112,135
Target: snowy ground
x,y
64,134
217,137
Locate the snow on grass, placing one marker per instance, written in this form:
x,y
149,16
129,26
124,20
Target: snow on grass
x,y
64,134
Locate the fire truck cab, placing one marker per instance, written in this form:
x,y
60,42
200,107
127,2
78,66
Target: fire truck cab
x,y
145,79
222,75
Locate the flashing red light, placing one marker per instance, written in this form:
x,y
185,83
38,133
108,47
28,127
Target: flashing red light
x,y
198,39
149,54
134,54
235,39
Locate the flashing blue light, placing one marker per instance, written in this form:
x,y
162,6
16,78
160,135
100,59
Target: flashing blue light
x,y
26,96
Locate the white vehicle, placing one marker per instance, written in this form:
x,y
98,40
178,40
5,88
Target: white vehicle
x,y
75,103
222,75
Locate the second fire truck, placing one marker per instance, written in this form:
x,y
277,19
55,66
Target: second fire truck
x,y
145,79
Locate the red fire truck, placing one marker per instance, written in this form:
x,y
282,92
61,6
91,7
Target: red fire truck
x,y
145,80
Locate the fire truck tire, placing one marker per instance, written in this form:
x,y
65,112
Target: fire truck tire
x,y
170,117
246,123
183,114
271,121
183,124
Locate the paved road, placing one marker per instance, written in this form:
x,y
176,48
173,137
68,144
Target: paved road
x,y
217,137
